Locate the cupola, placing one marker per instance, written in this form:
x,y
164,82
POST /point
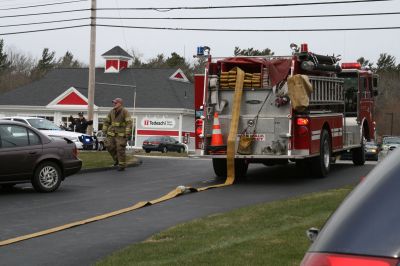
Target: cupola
x,y
116,60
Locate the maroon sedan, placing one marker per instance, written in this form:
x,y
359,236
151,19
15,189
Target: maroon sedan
x,y
27,155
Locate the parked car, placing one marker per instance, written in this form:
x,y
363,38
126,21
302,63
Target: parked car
x,y
364,230
27,155
82,141
389,144
163,144
371,152
101,136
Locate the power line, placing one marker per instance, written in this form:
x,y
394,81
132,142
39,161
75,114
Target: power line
x,y
250,30
41,30
42,22
174,8
203,18
41,5
210,29
165,9
46,13
258,17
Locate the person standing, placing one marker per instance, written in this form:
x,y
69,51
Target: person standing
x,y
81,124
117,127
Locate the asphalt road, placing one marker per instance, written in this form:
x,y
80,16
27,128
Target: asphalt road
x,y
23,211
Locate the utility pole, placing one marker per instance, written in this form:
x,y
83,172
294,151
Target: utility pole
x,y
92,65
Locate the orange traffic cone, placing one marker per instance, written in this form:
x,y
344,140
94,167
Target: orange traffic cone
x,y
217,144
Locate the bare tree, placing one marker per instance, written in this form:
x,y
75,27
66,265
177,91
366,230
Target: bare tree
x,y
136,60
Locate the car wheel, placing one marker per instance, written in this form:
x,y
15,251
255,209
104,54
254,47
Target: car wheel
x,y
181,149
321,164
164,149
147,151
47,177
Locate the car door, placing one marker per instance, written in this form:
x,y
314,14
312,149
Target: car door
x,y
20,149
167,143
172,145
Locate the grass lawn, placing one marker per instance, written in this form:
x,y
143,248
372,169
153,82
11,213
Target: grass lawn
x,y
98,159
266,234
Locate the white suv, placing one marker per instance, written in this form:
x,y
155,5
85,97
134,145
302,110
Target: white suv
x,y
82,141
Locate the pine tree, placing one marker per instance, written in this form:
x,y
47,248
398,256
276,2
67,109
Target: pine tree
x,y
4,62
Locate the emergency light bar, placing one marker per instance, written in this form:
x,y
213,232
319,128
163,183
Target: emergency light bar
x,y
351,65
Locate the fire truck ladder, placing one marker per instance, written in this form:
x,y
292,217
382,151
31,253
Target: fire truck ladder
x,y
326,91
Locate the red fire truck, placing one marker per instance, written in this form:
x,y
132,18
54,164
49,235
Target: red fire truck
x,y
303,108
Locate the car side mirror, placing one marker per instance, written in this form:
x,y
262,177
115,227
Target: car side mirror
x,y
312,234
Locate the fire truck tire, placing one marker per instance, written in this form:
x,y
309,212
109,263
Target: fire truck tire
x,y
321,164
241,166
358,154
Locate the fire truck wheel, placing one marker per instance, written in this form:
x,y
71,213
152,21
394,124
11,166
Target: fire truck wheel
x,y
359,154
321,164
241,166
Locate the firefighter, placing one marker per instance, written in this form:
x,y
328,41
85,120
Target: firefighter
x,y
117,126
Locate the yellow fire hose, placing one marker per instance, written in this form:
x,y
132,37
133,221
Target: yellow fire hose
x,y
231,144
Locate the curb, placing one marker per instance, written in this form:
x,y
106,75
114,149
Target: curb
x,y
94,170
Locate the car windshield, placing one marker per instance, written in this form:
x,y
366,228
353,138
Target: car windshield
x,y
391,140
43,124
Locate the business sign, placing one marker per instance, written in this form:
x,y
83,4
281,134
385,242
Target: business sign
x,y
158,122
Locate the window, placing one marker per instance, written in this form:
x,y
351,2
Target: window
x,y
13,136
364,88
375,81
34,139
43,124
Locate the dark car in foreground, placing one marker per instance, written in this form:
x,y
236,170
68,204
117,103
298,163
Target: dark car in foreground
x,y
27,155
364,230
162,144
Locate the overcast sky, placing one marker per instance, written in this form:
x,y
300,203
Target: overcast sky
x,y
148,43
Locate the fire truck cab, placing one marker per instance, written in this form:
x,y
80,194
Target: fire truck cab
x,y
303,108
